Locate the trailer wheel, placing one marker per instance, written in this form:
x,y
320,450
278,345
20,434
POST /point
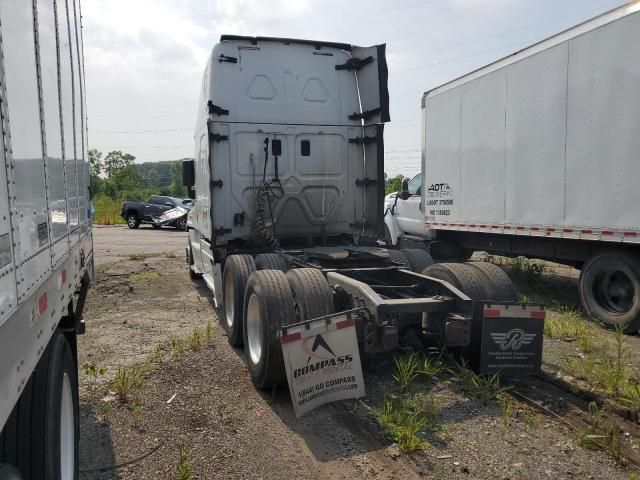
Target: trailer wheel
x,y
268,306
41,435
418,259
461,276
132,220
312,294
500,288
271,261
610,289
399,257
237,270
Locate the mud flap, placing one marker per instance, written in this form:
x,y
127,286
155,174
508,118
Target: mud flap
x,y
511,337
322,361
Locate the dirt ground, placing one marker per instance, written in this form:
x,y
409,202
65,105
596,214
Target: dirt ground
x,y
198,410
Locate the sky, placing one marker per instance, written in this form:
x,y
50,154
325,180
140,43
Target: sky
x,y
144,58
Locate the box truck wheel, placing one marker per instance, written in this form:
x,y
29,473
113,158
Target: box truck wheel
x,y
40,437
418,259
610,289
399,257
501,288
132,220
312,294
268,306
463,277
271,261
237,270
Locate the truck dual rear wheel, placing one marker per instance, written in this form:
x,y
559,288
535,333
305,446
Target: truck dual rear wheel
x,y
268,306
41,435
610,289
418,259
312,294
500,287
271,261
464,277
237,270
399,257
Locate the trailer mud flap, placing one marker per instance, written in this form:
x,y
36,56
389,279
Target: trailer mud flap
x,y
322,361
511,340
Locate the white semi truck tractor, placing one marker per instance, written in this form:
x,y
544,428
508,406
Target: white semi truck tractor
x,y
537,155
46,254
288,182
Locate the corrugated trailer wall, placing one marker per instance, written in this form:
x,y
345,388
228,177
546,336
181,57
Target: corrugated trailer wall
x,y
547,143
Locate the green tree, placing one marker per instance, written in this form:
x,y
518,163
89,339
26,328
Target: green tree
x,y
95,167
393,184
116,161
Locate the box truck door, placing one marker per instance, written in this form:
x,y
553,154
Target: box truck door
x,y
370,66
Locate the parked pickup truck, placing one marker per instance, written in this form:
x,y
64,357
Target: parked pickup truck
x,y
136,213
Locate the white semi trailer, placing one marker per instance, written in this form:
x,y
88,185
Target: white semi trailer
x,y
288,187
538,154
46,254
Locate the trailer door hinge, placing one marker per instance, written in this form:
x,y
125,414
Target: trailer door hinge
x,y
365,115
216,184
355,63
215,109
365,182
225,58
216,137
363,140
221,231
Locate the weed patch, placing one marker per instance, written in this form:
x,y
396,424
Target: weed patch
x,y
406,422
107,211
184,468
480,388
601,435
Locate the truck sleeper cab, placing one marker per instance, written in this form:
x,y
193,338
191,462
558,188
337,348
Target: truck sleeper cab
x,y
288,185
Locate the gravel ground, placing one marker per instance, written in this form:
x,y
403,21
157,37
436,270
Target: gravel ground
x,y
203,403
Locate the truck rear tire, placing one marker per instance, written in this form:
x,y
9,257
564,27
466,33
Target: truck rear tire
x,y
501,288
41,435
271,261
399,257
132,220
463,277
268,306
610,289
418,259
312,294
237,270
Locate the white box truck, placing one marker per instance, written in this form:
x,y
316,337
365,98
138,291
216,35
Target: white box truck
x,y
537,154
288,188
46,254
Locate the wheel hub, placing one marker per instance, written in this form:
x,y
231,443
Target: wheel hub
x,y
255,327
613,289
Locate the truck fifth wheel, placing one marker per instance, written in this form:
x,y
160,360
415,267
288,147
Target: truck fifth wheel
x,y
288,187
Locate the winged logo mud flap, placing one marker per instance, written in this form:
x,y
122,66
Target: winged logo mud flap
x,y
511,338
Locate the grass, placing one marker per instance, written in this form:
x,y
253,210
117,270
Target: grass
x,y
184,467
107,211
92,370
599,435
602,370
143,276
127,381
193,341
480,388
408,368
406,420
